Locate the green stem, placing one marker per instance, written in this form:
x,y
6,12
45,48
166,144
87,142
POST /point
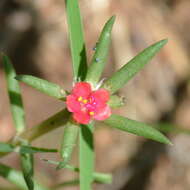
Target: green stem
x,y
86,156
79,69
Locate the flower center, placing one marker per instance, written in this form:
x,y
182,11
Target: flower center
x,y
82,100
91,113
88,104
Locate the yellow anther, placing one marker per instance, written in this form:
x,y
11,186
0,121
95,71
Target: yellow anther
x,y
91,113
85,101
80,98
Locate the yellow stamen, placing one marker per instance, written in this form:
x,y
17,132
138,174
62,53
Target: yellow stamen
x,y
91,113
85,101
80,98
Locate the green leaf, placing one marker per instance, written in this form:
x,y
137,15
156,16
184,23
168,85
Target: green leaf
x,y
57,120
44,86
102,178
4,147
136,128
68,143
27,161
14,95
77,44
16,177
86,156
31,150
101,52
116,101
123,75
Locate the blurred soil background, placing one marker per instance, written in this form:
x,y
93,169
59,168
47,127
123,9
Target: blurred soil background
x,y
34,34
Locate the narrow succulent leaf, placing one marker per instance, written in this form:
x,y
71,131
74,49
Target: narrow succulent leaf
x,y
136,128
4,147
52,123
27,162
86,156
101,52
24,149
102,178
68,143
116,101
123,75
16,178
42,85
57,120
77,44
14,95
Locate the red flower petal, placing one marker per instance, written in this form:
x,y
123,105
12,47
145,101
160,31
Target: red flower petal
x,y
81,117
82,89
86,104
72,104
102,113
100,96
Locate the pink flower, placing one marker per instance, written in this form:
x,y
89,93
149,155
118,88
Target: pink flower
x,y
86,104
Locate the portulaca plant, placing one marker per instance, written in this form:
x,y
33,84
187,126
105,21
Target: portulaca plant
x,y
90,99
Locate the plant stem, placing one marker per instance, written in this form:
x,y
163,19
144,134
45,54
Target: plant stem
x,y
79,69
86,156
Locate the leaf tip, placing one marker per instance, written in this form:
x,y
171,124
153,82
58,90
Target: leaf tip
x,y
170,143
167,141
112,20
164,41
113,17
